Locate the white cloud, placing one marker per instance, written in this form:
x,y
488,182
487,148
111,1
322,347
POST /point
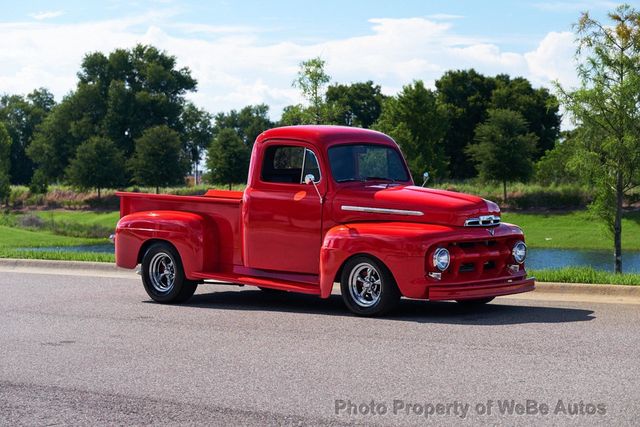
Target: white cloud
x,y
553,60
47,15
234,66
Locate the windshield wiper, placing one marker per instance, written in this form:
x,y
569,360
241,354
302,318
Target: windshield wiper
x,y
348,180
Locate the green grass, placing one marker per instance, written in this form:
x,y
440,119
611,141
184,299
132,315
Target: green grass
x,y
573,230
12,240
57,255
86,218
585,275
20,238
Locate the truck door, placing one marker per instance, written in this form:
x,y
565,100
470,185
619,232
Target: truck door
x,y
283,215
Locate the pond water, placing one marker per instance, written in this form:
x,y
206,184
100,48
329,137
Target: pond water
x,y
537,259
104,248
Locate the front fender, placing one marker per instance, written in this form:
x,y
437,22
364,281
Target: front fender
x,y
189,233
400,246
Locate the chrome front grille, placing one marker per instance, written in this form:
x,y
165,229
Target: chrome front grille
x,y
483,221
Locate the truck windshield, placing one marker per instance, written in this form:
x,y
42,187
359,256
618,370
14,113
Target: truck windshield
x,y
362,162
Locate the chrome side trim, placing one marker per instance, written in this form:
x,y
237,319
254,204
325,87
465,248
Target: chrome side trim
x,y
381,210
483,221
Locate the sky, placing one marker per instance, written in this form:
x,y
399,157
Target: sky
x,y
248,52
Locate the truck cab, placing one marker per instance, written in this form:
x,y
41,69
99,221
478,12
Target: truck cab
x,y
325,204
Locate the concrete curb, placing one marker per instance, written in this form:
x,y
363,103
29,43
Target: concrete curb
x,y
547,288
63,265
588,289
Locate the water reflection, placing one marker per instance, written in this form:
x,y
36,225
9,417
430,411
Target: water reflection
x,y
539,259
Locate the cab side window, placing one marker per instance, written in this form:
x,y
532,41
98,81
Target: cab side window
x,y
289,164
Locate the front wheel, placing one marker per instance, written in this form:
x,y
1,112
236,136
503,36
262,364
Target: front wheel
x,y
367,287
163,275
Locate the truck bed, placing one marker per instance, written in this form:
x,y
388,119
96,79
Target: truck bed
x,y
220,209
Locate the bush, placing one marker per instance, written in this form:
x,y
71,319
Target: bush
x,y
527,196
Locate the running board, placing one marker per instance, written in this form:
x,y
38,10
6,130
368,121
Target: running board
x,y
283,285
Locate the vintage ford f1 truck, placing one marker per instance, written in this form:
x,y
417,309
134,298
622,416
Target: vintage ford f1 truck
x,y
325,204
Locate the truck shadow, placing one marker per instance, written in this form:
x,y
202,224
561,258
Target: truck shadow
x,y
496,313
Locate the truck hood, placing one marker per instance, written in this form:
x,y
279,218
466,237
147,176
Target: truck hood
x,y
380,202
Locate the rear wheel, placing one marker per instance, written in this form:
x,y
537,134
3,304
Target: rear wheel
x,y
476,302
367,287
163,275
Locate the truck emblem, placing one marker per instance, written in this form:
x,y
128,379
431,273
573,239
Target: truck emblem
x,y
491,231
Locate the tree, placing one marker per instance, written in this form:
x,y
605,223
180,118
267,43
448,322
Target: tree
x,y
98,164
538,107
504,148
228,158
555,166
5,150
198,131
21,115
118,96
358,104
418,124
158,159
248,123
293,115
311,80
606,111
465,96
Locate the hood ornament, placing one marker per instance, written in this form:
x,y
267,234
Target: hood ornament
x,y
491,231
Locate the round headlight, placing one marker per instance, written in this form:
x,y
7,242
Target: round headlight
x,y
441,259
519,252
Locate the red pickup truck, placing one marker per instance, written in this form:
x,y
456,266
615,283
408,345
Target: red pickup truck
x,y
325,204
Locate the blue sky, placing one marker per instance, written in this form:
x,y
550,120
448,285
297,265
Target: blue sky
x,y
245,52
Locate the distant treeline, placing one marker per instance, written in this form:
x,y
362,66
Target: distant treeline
x,y
128,121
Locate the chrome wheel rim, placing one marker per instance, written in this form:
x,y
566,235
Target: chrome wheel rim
x,y
365,284
162,272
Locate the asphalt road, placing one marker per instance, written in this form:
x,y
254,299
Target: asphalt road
x,y
88,350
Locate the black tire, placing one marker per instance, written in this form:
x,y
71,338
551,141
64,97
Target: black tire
x,y
475,302
163,275
367,287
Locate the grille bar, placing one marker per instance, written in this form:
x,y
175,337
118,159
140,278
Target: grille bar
x,y
483,221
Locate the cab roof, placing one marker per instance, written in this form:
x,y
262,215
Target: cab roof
x,y
325,135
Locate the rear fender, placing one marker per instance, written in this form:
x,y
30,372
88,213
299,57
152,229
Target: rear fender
x,y
191,234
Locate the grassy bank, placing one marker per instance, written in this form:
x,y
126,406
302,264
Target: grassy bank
x,y
21,243
585,275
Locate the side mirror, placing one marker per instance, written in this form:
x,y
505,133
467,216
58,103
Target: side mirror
x,y
425,177
309,179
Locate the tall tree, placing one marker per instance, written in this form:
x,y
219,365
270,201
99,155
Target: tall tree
x,y
418,124
248,123
465,95
98,164
538,107
118,96
198,131
504,148
606,110
358,104
159,160
311,80
228,158
21,115
5,163
71,122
